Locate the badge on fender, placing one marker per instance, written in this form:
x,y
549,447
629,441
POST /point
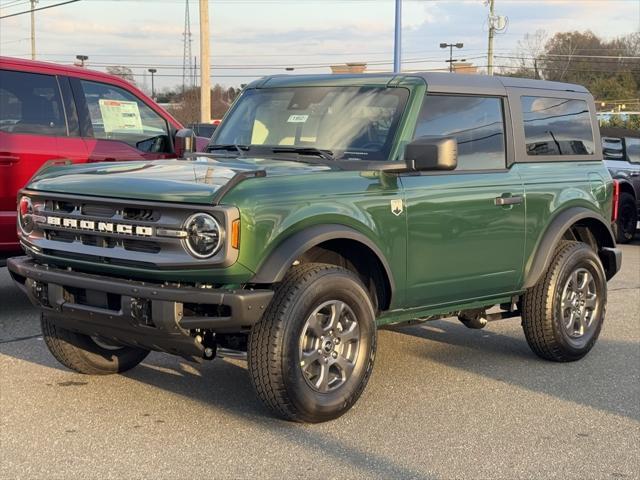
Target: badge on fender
x,y
397,207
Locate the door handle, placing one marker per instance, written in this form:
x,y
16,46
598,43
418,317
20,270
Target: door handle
x,y
501,201
9,159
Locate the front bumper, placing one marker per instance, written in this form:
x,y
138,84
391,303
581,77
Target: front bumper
x,y
154,316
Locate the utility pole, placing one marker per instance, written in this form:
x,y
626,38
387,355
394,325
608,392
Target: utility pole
x,y
33,29
397,45
152,71
205,79
491,35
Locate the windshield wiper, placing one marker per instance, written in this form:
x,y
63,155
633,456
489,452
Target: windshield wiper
x,y
325,154
229,147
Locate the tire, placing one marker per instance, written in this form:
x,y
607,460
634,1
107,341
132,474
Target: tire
x,y
297,374
82,354
552,311
624,227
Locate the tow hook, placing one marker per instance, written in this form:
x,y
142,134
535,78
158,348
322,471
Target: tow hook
x,y
208,342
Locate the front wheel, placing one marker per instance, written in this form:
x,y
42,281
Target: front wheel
x,y
87,354
312,353
563,314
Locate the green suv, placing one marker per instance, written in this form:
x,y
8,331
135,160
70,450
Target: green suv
x,y
326,207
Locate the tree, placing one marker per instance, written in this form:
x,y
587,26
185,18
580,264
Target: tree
x,y
609,69
123,72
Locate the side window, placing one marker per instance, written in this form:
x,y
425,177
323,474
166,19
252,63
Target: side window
x,y
557,126
119,115
476,123
633,149
30,103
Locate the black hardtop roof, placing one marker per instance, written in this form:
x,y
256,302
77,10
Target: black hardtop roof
x,y
436,82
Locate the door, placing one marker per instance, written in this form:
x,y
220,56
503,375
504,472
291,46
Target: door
x,y
117,125
33,130
465,227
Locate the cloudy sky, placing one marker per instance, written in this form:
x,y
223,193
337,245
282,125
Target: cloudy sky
x,y
251,38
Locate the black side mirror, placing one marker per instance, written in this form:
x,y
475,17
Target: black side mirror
x,y
432,153
185,142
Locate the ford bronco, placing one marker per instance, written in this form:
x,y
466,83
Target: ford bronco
x,y
326,207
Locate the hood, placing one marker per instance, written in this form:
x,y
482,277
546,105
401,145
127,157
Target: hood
x,y
183,181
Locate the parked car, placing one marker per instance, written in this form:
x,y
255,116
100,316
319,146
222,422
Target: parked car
x,y
621,149
205,130
55,112
327,207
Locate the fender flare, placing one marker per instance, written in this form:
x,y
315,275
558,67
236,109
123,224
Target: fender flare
x,y
274,268
553,235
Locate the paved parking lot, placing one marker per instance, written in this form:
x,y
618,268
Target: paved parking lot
x,y
444,402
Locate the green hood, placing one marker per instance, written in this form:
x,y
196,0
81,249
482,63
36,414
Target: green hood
x,y
182,181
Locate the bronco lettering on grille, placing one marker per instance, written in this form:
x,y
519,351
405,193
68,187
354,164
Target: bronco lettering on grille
x,y
103,227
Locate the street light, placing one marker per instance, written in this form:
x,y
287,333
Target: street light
x,y
450,47
82,58
153,86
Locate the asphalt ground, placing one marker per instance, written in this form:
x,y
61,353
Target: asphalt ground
x,y
444,402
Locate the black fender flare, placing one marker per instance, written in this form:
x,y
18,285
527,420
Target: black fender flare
x,y
553,235
274,268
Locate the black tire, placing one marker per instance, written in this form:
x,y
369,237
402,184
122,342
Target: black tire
x,y
624,227
544,316
276,344
81,352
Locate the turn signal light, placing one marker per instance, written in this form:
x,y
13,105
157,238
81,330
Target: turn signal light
x,y
235,234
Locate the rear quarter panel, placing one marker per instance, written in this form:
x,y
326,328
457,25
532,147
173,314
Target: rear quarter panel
x,y
553,187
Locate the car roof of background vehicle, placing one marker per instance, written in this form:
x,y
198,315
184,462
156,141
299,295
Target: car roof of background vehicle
x,y
618,132
436,82
36,66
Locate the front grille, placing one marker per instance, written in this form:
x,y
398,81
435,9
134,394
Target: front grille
x,y
118,232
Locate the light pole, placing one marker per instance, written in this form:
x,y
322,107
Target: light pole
x,y
397,44
82,58
153,86
450,47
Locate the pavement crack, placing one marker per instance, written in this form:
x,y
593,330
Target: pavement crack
x,y
19,339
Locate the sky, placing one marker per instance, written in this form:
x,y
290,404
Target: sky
x,y
252,38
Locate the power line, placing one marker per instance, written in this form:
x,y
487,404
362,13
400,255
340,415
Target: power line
x,y
38,9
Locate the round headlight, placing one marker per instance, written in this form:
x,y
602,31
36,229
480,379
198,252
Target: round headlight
x,y
25,215
204,235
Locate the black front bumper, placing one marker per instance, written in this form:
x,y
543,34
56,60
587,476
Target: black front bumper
x,y
153,316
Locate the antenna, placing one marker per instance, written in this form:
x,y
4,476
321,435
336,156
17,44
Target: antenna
x,y
187,65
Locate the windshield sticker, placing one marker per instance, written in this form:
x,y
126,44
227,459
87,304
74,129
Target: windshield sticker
x,y
118,116
298,118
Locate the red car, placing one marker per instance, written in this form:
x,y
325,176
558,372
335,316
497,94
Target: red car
x,y
50,112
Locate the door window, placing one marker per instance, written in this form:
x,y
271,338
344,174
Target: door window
x,y
119,115
557,126
30,103
475,122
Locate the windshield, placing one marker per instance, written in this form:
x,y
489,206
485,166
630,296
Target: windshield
x,y
350,122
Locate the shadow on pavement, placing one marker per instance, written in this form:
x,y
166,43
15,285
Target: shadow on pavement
x,y
606,379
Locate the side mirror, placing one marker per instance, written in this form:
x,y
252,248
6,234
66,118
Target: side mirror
x,y
185,142
432,153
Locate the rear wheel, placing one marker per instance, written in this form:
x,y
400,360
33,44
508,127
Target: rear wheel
x,y
86,354
625,226
563,314
312,353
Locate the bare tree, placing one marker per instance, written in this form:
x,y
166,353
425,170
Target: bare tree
x,y
123,72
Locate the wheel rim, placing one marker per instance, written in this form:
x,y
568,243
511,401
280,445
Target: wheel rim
x,y
329,346
580,302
